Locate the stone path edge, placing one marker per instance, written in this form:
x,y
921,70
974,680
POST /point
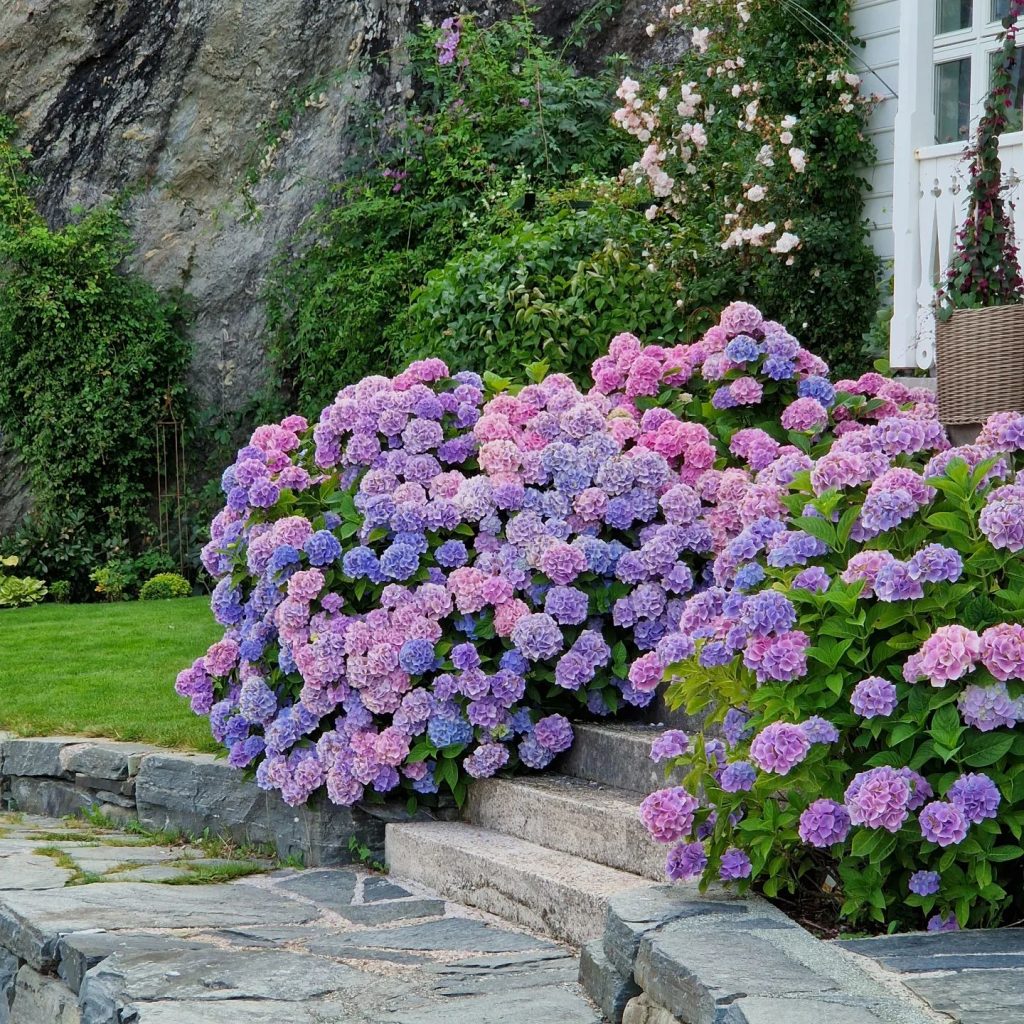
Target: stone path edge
x,y
672,955
189,793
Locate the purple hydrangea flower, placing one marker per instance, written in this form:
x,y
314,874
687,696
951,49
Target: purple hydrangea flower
x,y
738,776
668,814
943,923
778,747
671,743
554,733
936,564
735,727
874,697
537,636
943,823
686,862
987,707
813,578
976,795
878,798
819,730
925,883
823,823
735,865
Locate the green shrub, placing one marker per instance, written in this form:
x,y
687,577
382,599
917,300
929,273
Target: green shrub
x,y
112,580
60,591
91,358
165,585
556,289
505,117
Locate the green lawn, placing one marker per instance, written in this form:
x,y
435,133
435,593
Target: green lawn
x,y
104,670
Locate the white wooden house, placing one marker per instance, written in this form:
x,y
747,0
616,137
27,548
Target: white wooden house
x,y
931,60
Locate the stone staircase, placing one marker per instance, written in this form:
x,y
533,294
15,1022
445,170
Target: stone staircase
x,y
546,852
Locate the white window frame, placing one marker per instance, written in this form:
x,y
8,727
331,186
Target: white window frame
x,y
979,43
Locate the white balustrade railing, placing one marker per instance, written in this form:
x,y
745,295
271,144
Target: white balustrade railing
x,y
942,178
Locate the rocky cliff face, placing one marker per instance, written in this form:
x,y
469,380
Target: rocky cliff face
x,y
167,98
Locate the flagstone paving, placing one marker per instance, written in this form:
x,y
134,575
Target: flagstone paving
x,y
98,926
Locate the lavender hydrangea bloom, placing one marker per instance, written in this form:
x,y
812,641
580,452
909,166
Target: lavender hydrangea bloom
x,y
778,747
735,727
533,755
686,862
738,776
734,866
819,730
936,564
943,823
668,814
554,732
671,743
943,923
814,579
878,798
874,698
824,823
976,795
987,707
486,760
925,883
537,636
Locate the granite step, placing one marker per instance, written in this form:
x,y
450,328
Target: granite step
x,y
616,755
594,822
547,891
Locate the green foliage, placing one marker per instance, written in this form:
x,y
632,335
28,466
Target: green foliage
x,y
505,118
17,592
556,288
165,585
90,359
60,591
112,580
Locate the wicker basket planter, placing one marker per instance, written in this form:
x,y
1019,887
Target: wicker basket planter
x,y
979,359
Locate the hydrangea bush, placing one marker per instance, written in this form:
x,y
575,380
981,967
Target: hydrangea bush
x,y
430,581
861,652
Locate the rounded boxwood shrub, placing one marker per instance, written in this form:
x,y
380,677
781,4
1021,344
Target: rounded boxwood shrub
x,y
165,585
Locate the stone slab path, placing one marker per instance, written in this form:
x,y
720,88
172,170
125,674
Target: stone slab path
x,y
92,933
973,977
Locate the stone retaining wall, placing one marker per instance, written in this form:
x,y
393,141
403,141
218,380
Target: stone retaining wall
x,y
188,793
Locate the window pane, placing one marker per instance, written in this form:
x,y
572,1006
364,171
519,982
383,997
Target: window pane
x,y
1014,116
1000,8
951,15
952,100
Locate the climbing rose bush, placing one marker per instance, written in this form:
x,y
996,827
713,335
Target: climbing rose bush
x,y
861,658
426,584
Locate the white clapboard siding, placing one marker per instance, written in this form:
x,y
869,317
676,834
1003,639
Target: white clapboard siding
x,y
877,23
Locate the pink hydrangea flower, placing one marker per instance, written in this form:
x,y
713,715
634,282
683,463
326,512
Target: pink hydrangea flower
x,y
878,798
668,814
951,652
